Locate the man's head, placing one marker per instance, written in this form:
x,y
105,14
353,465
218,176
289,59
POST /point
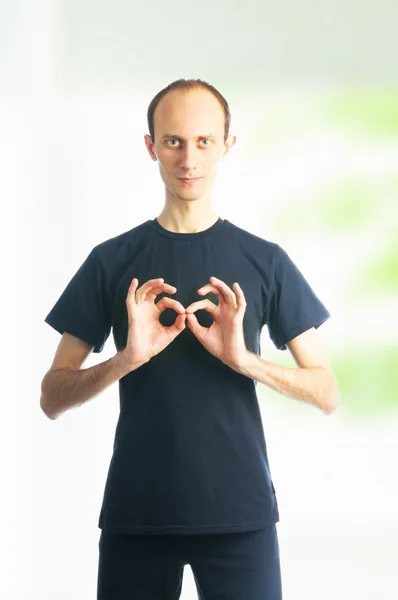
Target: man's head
x,y
188,136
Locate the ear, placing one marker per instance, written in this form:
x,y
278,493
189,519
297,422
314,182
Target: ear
x,y
149,145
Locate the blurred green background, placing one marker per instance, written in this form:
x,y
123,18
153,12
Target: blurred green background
x,y
351,140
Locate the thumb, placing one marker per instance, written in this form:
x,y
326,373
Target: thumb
x,y
178,326
194,326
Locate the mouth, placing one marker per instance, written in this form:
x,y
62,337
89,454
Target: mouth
x,y
189,181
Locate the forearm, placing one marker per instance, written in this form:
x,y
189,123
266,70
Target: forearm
x,y
314,385
62,389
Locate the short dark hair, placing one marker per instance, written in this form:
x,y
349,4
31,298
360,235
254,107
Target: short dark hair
x,y
188,84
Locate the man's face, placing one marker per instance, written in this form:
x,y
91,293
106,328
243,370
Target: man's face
x,y
195,148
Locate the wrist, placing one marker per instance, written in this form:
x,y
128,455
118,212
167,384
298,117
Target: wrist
x,y
124,365
244,367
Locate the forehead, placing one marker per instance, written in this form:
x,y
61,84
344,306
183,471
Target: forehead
x,y
189,114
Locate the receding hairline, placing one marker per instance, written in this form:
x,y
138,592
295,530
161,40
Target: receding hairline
x,y
186,86
185,90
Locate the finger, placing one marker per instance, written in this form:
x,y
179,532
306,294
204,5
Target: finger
x,y
228,293
240,296
177,327
194,326
166,302
216,289
155,291
180,322
206,304
141,292
131,291
152,282
153,287
206,289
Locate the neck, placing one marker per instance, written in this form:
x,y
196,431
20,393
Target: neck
x,y
187,222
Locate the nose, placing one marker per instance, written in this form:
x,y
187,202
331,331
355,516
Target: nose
x,y
188,157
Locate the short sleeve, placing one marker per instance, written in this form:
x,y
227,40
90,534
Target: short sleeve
x,y
293,306
82,309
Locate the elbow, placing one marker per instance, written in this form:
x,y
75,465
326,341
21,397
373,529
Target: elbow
x,y
44,408
332,398
44,403
331,406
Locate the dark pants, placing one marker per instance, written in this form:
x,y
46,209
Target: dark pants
x,y
226,566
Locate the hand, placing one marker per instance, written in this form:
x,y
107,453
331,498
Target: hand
x,y
225,338
146,335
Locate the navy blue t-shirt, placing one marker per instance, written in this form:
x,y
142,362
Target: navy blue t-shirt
x,y
189,453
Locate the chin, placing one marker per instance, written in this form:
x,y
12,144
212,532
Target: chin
x,y
190,199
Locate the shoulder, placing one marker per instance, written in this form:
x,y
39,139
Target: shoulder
x,y
260,245
114,249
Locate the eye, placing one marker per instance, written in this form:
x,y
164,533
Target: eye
x,y
175,140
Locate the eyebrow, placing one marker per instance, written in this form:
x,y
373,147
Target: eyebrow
x,y
172,135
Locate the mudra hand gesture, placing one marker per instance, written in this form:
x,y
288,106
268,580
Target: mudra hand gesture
x,y
224,339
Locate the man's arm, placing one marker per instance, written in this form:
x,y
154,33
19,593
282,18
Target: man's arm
x,y
313,381
63,388
315,385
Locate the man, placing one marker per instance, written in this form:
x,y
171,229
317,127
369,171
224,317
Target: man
x,y
189,480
